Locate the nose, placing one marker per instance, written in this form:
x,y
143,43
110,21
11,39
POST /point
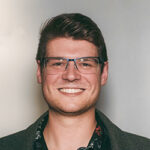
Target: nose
x,y
71,73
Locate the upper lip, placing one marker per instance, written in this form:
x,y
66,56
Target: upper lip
x,y
71,88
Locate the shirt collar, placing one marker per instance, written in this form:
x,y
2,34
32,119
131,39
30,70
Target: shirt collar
x,y
95,142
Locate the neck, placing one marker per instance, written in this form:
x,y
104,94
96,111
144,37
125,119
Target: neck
x,y
69,132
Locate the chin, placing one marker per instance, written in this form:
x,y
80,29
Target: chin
x,y
70,111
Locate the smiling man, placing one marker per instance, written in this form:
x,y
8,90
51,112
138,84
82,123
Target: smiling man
x,y
71,80
72,67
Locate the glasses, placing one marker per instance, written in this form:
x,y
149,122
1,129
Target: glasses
x,y
86,65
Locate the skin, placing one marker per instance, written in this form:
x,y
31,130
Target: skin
x,y
69,112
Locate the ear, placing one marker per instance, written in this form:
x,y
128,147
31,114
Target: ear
x,y
38,74
104,74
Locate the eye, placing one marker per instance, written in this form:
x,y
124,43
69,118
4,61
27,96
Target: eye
x,y
86,64
57,64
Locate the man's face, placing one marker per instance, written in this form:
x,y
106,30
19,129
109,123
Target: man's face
x,y
71,92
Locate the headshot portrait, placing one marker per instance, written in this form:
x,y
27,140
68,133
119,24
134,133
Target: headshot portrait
x,y
75,75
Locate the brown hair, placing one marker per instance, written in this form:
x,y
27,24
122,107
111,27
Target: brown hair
x,y
74,25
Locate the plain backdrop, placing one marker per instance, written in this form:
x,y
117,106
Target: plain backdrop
x,y
125,24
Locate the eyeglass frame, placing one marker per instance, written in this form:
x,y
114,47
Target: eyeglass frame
x,y
43,60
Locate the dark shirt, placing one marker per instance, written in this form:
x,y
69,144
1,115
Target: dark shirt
x,y
98,141
112,137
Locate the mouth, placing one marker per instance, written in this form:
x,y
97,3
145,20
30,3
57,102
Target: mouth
x,y
71,90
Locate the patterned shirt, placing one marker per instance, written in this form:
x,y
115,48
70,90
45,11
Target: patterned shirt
x,y
99,140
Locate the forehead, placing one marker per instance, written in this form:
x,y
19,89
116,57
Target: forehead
x,y
68,47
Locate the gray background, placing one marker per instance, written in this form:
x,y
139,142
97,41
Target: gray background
x,y
125,25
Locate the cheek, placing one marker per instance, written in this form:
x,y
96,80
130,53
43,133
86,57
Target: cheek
x,y
49,81
96,87
94,84
49,87
94,80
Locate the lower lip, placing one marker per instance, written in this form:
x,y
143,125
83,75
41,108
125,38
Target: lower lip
x,y
71,94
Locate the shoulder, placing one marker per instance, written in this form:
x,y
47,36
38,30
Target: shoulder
x,y
13,141
22,140
130,141
121,140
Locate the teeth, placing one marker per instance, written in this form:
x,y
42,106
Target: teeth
x,y
71,90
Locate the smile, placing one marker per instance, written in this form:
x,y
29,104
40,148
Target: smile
x,y
71,91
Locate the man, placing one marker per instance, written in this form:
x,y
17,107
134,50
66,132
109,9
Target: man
x,y
72,67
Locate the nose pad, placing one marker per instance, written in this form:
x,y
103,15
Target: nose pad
x,y
75,65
